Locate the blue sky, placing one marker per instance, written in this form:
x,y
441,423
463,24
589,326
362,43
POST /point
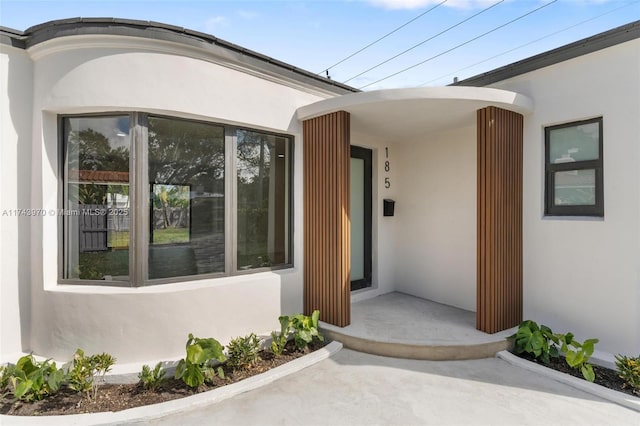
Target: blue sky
x,y
316,34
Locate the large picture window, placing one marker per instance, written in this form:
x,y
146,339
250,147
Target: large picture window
x,y
203,199
574,178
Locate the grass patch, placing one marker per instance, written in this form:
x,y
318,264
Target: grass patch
x,y
170,236
120,239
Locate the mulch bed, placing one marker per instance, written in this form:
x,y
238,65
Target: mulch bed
x,y
604,376
121,397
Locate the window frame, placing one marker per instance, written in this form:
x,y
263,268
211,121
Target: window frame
x,y
139,220
550,208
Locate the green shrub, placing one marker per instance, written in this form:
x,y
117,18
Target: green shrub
x,y
152,379
537,341
629,370
85,371
31,380
541,343
243,352
577,354
279,341
303,328
197,367
4,380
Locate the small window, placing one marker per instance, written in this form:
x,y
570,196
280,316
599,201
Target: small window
x,y
573,167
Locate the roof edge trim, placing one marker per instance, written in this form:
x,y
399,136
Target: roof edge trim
x,y
152,30
615,36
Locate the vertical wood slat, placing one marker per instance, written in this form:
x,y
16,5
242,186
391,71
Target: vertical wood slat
x,y
499,245
327,285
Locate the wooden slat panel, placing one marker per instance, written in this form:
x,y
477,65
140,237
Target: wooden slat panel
x,y
499,257
326,217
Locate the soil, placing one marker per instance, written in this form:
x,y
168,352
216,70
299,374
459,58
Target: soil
x,y
112,397
604,376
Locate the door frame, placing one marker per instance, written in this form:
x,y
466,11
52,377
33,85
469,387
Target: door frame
x,y
366,155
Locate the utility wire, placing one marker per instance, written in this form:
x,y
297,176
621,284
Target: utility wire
x,y
532,42
384,36
424,41
461,44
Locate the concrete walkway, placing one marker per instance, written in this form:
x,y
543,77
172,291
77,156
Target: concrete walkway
x,y
353,388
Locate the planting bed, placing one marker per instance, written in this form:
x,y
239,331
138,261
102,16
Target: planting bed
x,y
604,376
120,397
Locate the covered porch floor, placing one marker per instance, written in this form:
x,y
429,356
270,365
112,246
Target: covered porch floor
x,y
403,326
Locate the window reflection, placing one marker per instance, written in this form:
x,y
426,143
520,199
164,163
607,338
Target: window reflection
x,y
97,198
577,143
186,177
575,188
263,200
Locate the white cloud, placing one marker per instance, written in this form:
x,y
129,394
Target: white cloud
x,y
214,23
419,4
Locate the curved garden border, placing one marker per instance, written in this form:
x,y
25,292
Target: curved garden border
x,y
619,398
149,412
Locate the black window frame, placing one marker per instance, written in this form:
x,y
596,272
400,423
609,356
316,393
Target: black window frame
x,y
595,210
138,276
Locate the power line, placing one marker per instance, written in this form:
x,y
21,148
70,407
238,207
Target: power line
x,y
461,44
424,41
532,42
384,36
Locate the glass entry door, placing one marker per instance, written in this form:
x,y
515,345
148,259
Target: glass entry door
x,y
360,215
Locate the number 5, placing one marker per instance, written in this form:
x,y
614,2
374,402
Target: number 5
x,y
387,183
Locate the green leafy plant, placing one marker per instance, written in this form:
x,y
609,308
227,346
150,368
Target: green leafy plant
x,y
536,340
279,341
303,328
31,380
152,379
197,367
577,354
86,371
542,343
4,380
243,352
629,370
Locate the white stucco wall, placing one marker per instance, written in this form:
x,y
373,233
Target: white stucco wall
x,y
15,133
436,217
100,73
580,274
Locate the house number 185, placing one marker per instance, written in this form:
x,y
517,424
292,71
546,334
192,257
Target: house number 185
x,y
387,167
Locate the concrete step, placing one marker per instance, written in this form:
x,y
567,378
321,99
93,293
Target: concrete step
x,y
404,326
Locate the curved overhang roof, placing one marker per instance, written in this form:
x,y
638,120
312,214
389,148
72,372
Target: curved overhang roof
x,y
155,31
407,113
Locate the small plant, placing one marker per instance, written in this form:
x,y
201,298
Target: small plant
x,y
577,354
85,371
152,379
31,380
197,367
279,341
303,328
243,352
4,380
629,370
538,341
542,343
